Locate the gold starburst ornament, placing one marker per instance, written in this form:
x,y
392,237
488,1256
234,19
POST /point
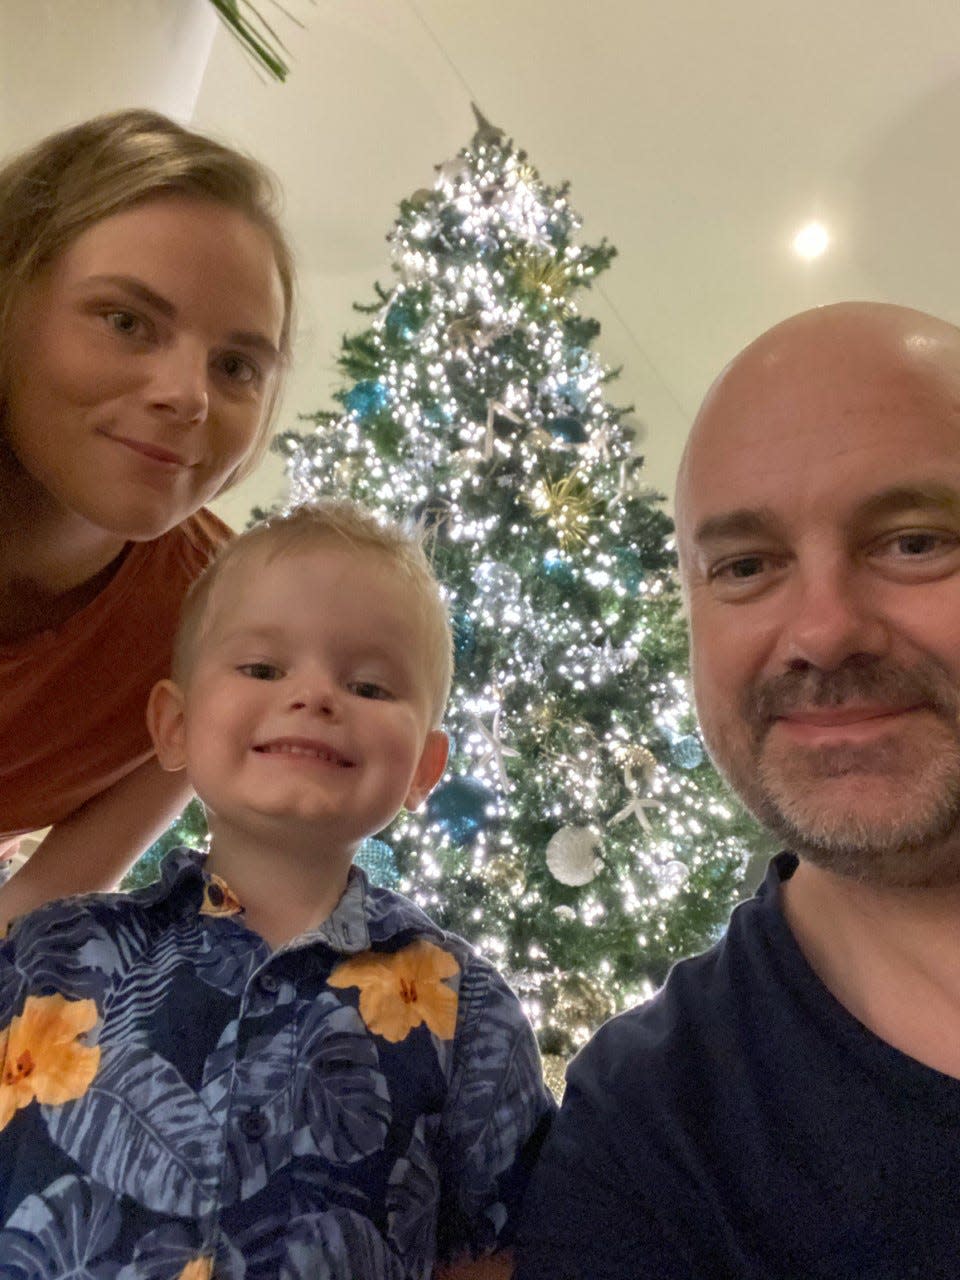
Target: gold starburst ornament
x,y
568,503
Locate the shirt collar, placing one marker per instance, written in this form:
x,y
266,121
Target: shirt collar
x,y
345,930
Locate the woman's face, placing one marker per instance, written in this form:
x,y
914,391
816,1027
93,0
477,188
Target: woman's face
x,y
141,363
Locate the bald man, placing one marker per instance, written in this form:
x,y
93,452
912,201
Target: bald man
x,y
788,1105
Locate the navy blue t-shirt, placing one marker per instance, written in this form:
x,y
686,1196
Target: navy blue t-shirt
x,y
743,1124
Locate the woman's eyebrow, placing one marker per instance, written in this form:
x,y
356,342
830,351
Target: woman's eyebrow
x,y
250,338
138,289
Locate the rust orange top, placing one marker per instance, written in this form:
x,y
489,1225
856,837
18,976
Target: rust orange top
x,y
72,700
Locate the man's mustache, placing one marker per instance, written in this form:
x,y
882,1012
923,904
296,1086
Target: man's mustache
x,y
871,681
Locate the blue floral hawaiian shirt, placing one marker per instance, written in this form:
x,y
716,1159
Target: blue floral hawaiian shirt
x,y
179,1102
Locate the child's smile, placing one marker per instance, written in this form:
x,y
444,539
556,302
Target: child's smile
x,y
308,709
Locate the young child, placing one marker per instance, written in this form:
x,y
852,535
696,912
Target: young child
x,y
261,1066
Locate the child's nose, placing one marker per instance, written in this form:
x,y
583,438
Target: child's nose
x,y
318,696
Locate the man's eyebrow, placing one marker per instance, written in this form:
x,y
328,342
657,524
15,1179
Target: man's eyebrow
x,y
745,522
922,497
249,338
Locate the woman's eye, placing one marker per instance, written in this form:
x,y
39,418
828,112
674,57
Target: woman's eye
x,y
124,322
239,369
368,689
260,671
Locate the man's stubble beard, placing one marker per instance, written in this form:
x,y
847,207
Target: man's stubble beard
x,y
808,798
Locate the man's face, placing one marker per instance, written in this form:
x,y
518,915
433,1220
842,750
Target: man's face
x,y
819,530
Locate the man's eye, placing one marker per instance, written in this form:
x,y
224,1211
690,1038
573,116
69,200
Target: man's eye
x,y
368,689
739,569
260,671
239,369
919,543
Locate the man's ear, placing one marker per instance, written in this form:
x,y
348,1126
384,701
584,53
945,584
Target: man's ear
x,y
433,761
166,723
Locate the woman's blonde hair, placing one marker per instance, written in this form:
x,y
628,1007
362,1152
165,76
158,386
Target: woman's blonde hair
x,y
58,188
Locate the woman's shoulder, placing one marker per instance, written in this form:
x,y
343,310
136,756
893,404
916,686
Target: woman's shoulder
x,y
187,549
204,532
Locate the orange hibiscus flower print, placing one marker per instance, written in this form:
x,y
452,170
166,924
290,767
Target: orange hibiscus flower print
x,y
219,899
40,1057
198,1269
399,990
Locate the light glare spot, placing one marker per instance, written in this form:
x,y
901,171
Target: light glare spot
x,y
811,241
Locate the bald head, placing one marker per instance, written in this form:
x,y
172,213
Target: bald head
x,y
809,366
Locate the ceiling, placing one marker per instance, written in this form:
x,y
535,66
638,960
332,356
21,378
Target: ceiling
x,y
699,137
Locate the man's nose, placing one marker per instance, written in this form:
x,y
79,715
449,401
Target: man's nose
x,y
179,387
834,616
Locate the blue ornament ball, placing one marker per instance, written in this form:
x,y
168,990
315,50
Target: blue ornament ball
x,y
439,414
461,807
567,428
402,322
464,637
571,387
558,568
631,567
377,860
687,751
367,398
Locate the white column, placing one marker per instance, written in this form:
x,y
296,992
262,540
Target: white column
x,y
62,61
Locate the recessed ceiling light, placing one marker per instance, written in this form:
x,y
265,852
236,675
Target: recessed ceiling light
x,y
811,240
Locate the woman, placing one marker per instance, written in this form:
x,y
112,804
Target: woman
x,y
145,315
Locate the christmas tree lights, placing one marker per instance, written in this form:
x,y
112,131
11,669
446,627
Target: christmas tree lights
x,y
580,837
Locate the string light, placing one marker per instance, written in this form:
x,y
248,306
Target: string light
x,y
570,642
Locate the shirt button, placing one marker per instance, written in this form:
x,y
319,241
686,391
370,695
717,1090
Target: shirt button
x,y
254,1125
269,984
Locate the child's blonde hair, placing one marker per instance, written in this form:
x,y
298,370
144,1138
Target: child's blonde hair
x,y
311,527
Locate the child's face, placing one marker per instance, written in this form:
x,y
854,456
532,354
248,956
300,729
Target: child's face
x,y
141,364
308,703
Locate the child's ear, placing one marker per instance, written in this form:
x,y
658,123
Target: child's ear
x,y
167,725
433,761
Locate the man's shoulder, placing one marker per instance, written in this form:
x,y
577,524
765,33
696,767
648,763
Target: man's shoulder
x,y
708,1004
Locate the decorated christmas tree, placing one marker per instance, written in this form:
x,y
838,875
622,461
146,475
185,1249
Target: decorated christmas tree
x,y
580,837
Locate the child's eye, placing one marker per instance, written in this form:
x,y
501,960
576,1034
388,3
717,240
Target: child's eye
x,y
369,689
240,369
260,671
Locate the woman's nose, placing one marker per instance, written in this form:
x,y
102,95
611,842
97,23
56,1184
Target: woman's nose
x,y
179,387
